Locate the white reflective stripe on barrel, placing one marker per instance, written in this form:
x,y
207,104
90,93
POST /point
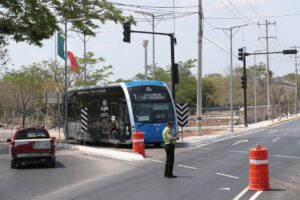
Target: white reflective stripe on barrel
x,y
258,162
138,140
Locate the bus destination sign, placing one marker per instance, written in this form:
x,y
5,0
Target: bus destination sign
x,y
150,97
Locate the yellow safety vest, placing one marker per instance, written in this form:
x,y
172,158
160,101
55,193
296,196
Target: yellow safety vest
x,y
165,138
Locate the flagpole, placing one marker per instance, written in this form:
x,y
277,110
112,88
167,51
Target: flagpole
x,y
55,47
66,85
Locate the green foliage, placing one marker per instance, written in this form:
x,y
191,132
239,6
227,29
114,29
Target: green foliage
x,y
186,90
26,88
35,20
93,76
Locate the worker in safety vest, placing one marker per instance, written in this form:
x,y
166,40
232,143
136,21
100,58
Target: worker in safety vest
x,y
170,141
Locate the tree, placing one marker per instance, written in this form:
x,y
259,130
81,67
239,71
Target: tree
x,y
26,87
33,21
186,90
93,76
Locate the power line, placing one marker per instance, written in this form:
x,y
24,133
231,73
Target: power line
x,y
163,7
216,45
238,11
253,9
262,17
213,29
225,6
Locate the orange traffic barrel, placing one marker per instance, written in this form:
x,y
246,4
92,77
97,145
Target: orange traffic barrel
x,y
138,145
259,169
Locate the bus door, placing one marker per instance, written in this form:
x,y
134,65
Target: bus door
x,y
124,122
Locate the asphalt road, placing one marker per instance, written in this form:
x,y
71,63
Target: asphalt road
x,y
217,171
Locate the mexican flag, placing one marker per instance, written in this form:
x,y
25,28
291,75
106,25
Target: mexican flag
x,y
74,66
61,46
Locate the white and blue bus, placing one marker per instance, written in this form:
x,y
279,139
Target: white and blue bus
x,y
115,111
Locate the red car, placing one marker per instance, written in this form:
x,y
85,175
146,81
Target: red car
x,y
30,145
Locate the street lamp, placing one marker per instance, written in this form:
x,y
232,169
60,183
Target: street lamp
x,y
84,49
254,84
153,37
145,45
65,21
231,34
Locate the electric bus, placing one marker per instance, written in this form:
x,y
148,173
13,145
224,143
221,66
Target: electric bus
x,y
111,113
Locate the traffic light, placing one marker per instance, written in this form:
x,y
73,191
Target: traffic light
x,y
241,54
290,51
175,73
243,82
126,32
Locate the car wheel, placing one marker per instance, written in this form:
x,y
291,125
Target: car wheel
x,y
52,162
13,164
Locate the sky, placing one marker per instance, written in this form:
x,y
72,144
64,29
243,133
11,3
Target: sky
x,y
128,59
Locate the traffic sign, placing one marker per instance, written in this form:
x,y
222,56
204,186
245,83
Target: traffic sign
x,y
182,114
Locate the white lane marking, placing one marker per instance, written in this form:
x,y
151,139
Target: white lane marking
x,y
203,148
242,193
281,156
234,151
255,195
227,138
241,141
272,131
188,167
159,161
276,139
227,175
225,189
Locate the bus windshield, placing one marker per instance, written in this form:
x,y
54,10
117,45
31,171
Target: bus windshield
x,y
151,104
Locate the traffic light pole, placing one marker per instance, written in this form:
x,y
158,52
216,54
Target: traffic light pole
x,y
242,56
173,42
245,92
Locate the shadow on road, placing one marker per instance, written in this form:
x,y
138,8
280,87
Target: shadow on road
x,y
40,166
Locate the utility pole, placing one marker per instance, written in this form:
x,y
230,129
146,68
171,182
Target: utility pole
x,y
145,45
231,34
296,80
254,85
296,85
267,23
199,78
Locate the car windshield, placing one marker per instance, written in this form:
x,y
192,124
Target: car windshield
x,y
31,134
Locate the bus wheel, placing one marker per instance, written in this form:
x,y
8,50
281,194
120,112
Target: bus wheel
x,y
157,144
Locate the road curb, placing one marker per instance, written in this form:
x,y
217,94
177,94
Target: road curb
x,y
120,155
280,122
